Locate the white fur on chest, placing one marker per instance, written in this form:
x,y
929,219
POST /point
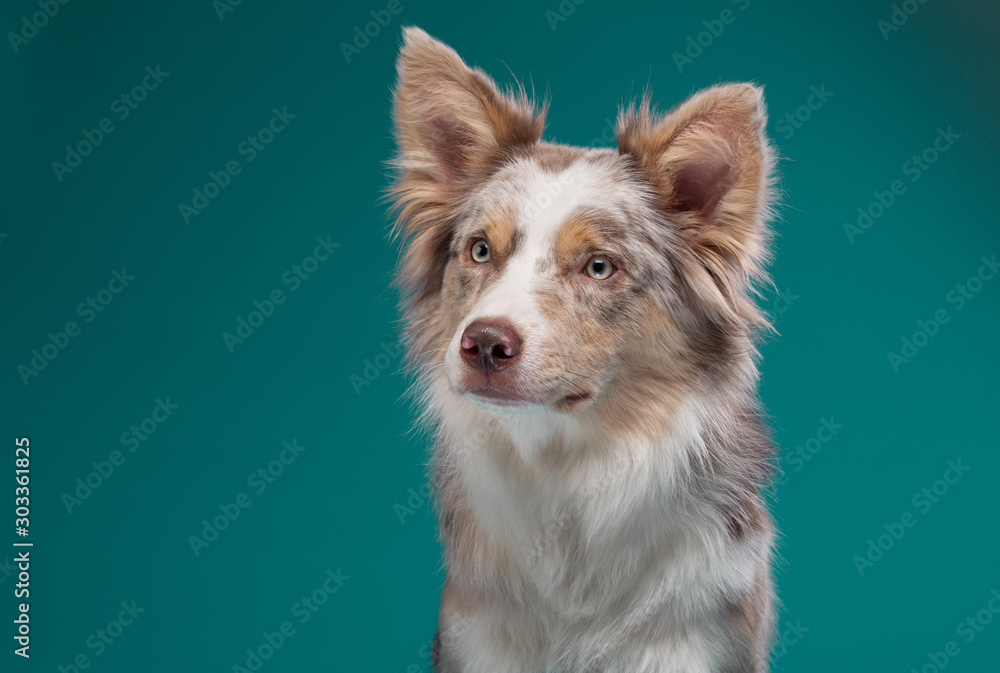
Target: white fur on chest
x,y
612,549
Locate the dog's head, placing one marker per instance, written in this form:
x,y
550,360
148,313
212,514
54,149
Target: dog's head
x,y
538,275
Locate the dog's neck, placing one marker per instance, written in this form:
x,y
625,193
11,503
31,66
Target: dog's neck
x,y
555,459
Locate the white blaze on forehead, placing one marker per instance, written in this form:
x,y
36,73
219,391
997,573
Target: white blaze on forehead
x,y
542,201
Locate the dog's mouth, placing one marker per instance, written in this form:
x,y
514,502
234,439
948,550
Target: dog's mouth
x,y
573,402
499,396
506,398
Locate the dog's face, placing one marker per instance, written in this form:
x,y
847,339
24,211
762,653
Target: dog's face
x,y
547,281
541,275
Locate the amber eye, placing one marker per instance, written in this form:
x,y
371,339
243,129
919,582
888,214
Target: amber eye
x,y
481,250
599,268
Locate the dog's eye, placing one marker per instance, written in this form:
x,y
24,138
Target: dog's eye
x,y
481,251
599,268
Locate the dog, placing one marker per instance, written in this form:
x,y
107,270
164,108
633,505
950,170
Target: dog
x,y
581,325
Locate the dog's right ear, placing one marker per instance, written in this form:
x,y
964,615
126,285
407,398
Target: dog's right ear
x,y
452,122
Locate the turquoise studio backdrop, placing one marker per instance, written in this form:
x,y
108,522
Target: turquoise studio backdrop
x,y
199,339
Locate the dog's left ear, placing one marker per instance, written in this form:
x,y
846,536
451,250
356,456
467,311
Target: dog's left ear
x,y
710,164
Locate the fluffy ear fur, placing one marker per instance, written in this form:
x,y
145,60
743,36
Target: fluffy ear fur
x,y
454,126
452,121
710,164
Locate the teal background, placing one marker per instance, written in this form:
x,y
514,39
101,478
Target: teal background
x,y
334,507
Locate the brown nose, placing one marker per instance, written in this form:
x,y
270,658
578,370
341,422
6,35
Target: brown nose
x,y
489,346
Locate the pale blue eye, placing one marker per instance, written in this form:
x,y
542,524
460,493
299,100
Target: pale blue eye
x,y
600,268
481,251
